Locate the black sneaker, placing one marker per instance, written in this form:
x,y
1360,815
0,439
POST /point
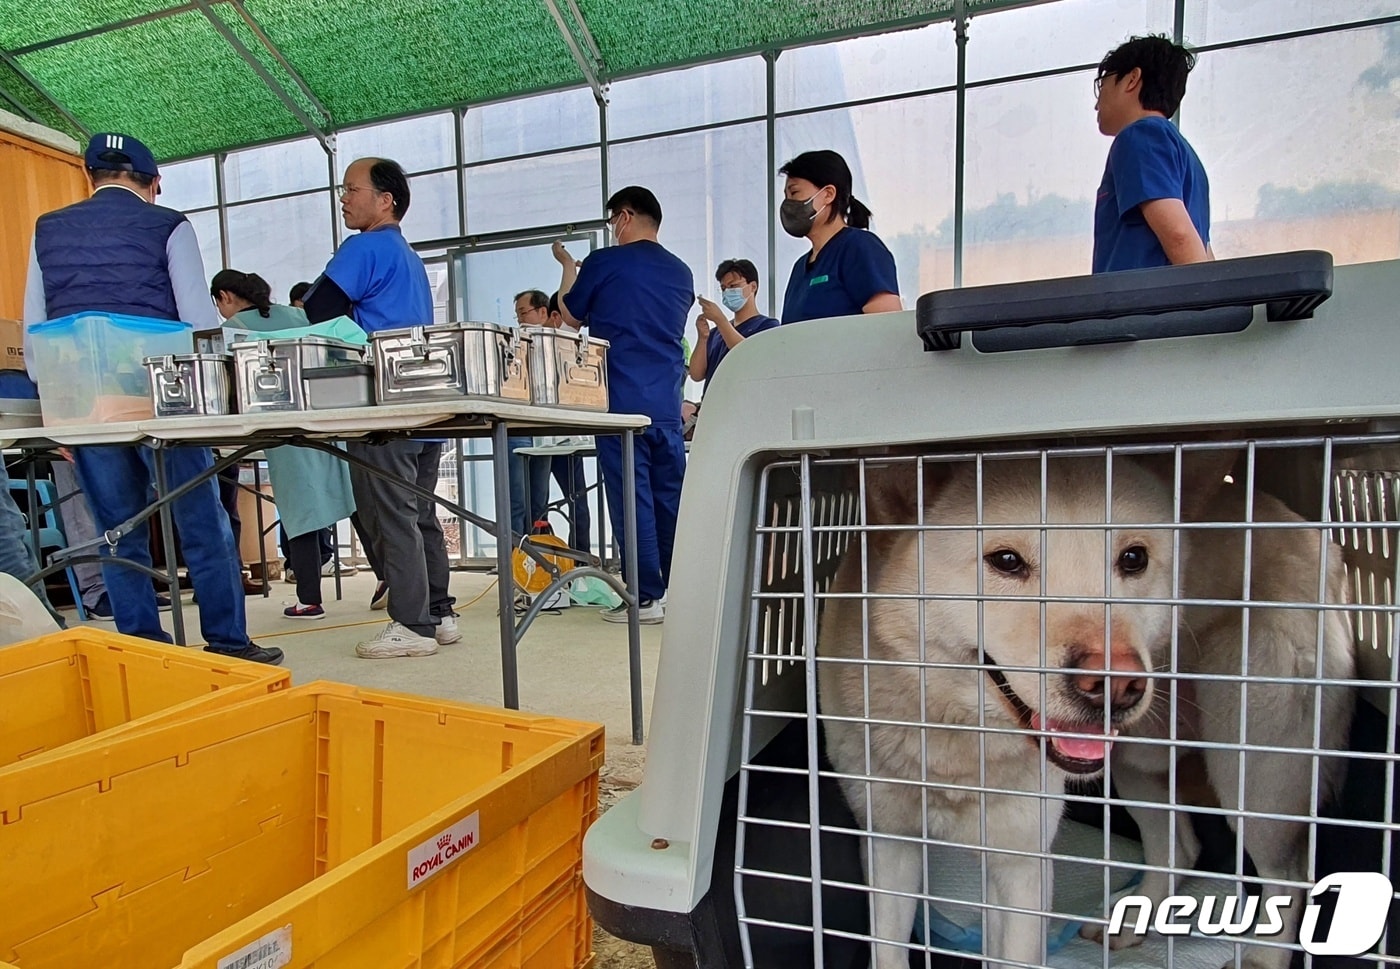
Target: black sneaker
x,y
101,611
253,653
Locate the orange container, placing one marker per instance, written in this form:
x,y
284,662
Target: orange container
x,y
79,684
323,826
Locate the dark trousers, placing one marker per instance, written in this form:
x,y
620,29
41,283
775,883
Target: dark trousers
x,y
404,530
660,467
568,471
304,553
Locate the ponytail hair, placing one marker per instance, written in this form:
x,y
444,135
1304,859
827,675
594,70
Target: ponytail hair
x,y
246,286
826,167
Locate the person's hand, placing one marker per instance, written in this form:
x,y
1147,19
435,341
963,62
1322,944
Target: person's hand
x,y
561,255
66,454
702,327
710,310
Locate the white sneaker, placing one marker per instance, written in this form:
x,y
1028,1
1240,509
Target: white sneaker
x,y
328,570
446,633
288,576
396,640
649,613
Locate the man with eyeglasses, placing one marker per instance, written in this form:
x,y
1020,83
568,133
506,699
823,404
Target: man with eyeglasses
x,y
637,296
376,279
1153,206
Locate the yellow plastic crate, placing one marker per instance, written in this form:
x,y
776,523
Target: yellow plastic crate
x,y
323,826
81,684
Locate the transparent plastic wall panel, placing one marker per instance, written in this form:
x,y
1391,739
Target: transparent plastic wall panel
x,y
418,144
1223,21
1061,34
1301,141
878,66
284,241
521,126
189,185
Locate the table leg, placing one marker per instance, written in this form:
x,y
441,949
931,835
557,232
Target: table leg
x,y
505,580
629,569
262,534
167,530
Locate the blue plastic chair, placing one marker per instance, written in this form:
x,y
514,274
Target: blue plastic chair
x,y
51,535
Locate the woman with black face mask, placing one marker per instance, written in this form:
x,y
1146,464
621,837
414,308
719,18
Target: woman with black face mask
x,y
849,271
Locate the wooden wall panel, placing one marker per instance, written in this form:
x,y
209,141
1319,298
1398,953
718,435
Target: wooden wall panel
x,y
34,179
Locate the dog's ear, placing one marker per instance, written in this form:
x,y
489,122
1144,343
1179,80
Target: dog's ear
x,y
892,488
1203,474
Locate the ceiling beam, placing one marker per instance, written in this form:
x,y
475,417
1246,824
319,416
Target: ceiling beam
x,y
207,8
14,65
281,59
19,108
105,29
590,62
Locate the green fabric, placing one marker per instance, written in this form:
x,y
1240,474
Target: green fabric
x,y
311,488
278,318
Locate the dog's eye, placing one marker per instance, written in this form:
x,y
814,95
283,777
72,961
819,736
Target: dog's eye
x,y
1133,560
1006,562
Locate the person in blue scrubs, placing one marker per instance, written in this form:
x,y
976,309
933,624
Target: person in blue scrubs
x,y
738,280
1153,205
637,296
376,279
848,270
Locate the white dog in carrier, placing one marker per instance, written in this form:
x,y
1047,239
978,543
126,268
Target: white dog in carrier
x,y
912,700
1043,651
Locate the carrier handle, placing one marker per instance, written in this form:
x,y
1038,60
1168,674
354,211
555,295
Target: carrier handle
x,y
1159,303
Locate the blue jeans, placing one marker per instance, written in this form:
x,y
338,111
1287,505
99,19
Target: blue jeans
x,y
660,466
118,482
523,468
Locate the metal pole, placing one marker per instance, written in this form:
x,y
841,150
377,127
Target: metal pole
x,y
629,572
167,528
960,141
770,61
221,199
505,581
262,535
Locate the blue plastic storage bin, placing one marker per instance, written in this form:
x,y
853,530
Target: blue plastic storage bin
x,y
90,366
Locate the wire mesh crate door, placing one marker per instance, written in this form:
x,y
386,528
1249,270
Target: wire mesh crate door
x,y
1004,636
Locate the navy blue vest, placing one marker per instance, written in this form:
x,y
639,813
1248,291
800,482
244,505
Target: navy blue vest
x,y
107,253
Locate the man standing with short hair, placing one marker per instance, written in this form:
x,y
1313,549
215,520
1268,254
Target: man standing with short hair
x,y
637,295
1153,206
738,280
119,252
376,279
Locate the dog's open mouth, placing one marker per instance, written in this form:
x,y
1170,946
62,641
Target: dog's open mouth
x,y
1074,755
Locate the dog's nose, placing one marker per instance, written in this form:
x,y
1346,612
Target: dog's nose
x,y
1097,682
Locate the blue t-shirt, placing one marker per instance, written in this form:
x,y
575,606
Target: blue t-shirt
x,y
716,349
852,267
1148,160
384,278
638,298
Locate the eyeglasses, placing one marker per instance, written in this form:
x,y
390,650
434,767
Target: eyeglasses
x,y
1098,82
344,190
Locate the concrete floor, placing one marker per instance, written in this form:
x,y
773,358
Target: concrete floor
x,y
570,665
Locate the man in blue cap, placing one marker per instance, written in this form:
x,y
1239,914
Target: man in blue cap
x,y
119,252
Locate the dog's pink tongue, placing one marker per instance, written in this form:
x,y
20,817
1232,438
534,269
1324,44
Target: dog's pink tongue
x,y
1080,748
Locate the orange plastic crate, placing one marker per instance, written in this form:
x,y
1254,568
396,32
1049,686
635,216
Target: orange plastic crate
x,y
323,826
78,684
